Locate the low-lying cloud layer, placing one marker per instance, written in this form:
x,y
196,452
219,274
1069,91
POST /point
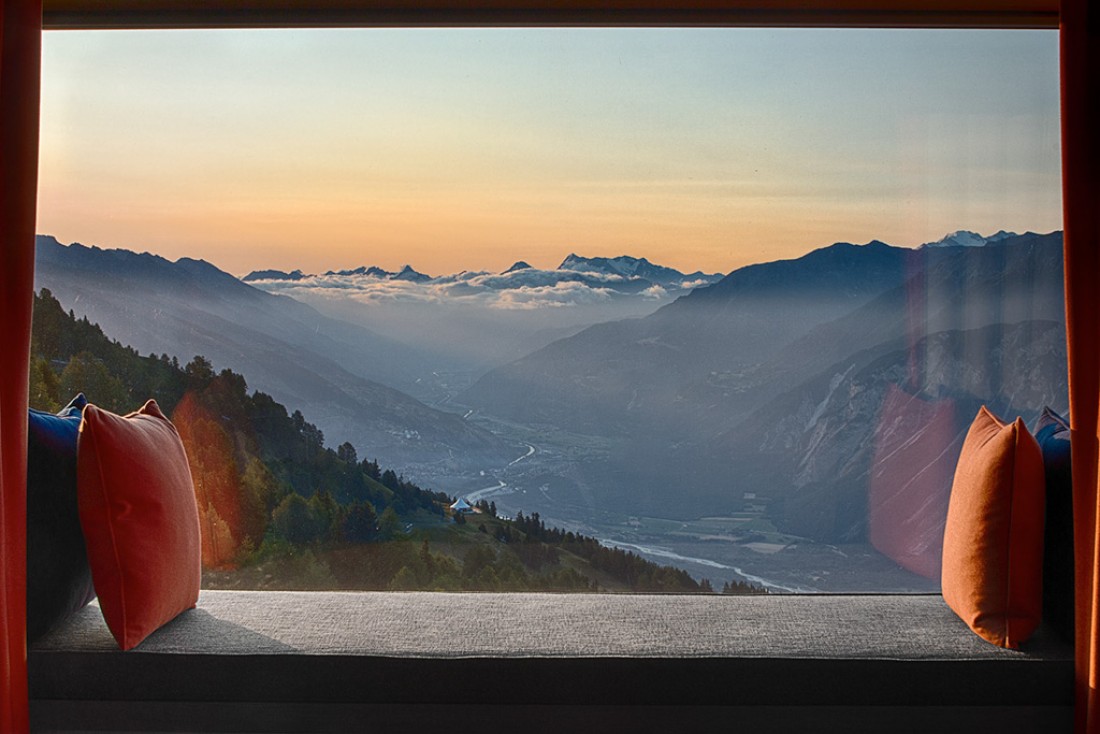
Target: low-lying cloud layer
x,y
526,289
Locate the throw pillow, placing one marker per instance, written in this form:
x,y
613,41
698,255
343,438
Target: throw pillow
x,y
59,582
137,508
1052,433
993,542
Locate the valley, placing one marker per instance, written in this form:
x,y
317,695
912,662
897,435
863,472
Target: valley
x,y
559,477
762,426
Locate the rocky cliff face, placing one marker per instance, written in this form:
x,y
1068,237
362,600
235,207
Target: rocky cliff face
x,y
846,438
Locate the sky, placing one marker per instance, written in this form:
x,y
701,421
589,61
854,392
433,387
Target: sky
x,y
469,149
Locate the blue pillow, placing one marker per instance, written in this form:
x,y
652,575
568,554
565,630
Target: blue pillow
x,y
1052,433
59,581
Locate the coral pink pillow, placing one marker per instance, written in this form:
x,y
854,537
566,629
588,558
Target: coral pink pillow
x,y
140,521
993,542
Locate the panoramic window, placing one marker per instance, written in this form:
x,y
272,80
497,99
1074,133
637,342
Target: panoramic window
x,y
702,310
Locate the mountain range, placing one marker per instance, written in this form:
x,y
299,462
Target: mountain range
x,y
773,381
965,238
342,375
793,390
477,320
627,274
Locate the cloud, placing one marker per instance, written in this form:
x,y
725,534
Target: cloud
x,y
527,289
692,284
559,295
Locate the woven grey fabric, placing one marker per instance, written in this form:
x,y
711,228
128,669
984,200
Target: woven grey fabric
x,y
442,625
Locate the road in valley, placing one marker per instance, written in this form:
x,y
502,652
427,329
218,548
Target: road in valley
x,y
501,487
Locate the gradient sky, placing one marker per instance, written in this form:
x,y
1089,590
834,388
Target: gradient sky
x,y
470,149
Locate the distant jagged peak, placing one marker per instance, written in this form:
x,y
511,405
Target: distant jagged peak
x,y
1000,235
968,238
48,243
622,265
408,273
370,272
629,267
274,275
518,265
361,270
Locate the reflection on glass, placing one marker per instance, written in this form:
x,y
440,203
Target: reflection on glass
x,y
557,309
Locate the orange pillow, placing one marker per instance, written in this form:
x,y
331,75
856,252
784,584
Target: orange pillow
x,y
140,521
993,542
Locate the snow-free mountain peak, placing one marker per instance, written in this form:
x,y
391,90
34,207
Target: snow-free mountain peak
x,y
373,271
361,270
621,265
273,275
407,273
516,266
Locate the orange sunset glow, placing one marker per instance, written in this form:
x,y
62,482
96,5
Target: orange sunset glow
x,y
461,150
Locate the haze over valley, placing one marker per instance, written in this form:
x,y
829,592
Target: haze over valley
x,y
685,290
473,321
751,426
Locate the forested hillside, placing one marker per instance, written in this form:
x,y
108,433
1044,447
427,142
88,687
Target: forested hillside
x,y
279,509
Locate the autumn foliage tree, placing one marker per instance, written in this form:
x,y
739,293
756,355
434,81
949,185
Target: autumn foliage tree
x,y
217,479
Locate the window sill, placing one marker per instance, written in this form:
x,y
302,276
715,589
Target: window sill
x,y
316,661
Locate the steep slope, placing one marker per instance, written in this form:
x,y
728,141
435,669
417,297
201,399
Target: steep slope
x,y
1010,280
808,454
290,351
821,441
195,291
278,509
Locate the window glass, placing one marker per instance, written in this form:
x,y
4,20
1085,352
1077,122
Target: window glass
x,y
578,309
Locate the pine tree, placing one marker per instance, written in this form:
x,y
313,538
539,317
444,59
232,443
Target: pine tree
x,y
346,452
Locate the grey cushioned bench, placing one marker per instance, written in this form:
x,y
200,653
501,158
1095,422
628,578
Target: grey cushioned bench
x,y
362,661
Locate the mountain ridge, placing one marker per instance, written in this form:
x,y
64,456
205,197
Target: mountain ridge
x,y
623,266
709,375
291,351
